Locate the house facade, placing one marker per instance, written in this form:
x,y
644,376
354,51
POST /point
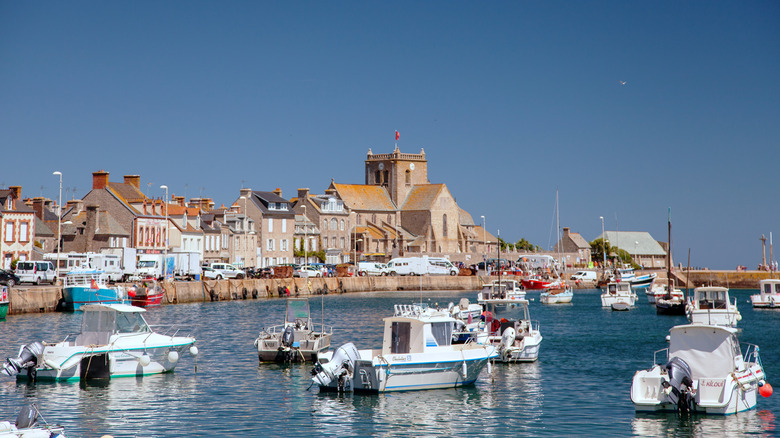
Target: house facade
x,y
17,227
274,221
330,221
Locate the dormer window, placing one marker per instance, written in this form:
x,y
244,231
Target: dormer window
x,y
9,203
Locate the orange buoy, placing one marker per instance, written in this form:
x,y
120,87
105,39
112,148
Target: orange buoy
x,y
765,390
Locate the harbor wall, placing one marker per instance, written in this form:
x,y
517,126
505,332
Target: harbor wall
x,y
44,298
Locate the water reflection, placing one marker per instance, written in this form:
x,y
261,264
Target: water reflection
x,y
761,423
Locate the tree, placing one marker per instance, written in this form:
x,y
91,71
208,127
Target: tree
x,y
525,245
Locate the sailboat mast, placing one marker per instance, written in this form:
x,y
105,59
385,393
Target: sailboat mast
x,y
669,254
558,231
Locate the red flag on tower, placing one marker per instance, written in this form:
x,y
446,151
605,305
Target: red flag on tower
x,y
397,135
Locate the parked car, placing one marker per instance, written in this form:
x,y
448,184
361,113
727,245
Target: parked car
x,y
372,268
209,273
8,278
307,271
585,276
226,270
36,272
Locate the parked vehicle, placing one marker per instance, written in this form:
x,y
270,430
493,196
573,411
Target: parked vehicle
x,y
226,270
150,265
128,260
307,271
585,276
492,263
372,268
421,266
209,273
36,272
185,265
8,278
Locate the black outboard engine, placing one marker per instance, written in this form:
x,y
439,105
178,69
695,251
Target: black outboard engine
x,y
288,336
681,382
28,359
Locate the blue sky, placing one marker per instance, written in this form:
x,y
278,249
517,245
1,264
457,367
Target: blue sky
x,y
510,100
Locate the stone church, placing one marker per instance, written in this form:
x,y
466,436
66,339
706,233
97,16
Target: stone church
x,y
399,212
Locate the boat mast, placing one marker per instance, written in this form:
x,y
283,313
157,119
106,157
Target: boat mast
x,y
558,233
669,255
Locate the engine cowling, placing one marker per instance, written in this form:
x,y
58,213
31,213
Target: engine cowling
x,y
28,358
343,361
681,384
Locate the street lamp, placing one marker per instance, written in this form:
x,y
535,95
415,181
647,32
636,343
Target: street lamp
x,y
246,238
59,224
305,237
165,241
603,245
356,244
484,242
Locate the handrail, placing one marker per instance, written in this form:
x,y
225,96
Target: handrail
x,y
655,361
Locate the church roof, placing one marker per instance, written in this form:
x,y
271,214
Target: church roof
x,y
634,242
422,197
465,218
365,197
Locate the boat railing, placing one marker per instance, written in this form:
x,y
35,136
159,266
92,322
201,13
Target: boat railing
x,y
655,356
168,330
751,354
408,310
278,329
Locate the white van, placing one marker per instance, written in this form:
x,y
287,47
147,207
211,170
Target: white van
x,y
440,266
36,272
407,266
585,276
371,268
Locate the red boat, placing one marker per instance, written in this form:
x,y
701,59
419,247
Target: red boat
x,y
149,294
535,283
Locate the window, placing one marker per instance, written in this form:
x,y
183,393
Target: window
x,y
334,224
325,225
9,231
342,225
408,176
270,225
442,332
386,178
342,243
399,337
23,237
313,245
270,245
444,225
284,225
284,244
373,218
376,177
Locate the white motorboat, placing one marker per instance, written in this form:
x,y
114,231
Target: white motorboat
x,y
417,353
618,292
620,306
711,305
501,293
515,340
115,341
768,294
465,310
26,426
296,340
705,371
559,293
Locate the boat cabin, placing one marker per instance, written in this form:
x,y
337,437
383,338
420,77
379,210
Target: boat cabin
x,y
298,313
708,350
711,297
620,288
101,321
92,278
769,287
415,331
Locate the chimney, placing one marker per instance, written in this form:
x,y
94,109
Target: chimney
x,y
91,226
37,206
179,200
303,195
133,180
278,192
204,204
99,180
565,231
246,192
17,192
76,204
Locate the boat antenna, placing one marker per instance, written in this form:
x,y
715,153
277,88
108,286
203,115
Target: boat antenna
x,y
688,272
669,255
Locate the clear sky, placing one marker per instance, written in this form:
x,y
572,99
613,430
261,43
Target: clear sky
x,y
510,100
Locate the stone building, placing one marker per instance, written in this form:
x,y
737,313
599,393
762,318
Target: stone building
x,y
645,250
275,224
17,227
573,249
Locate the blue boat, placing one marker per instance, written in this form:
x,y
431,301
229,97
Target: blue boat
x,y
89,287
643,282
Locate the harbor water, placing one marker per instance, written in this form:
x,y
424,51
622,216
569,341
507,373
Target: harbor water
x,y
579,386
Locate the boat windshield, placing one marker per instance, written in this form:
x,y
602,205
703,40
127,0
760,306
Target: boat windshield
x,y
297,309
131,322
442,332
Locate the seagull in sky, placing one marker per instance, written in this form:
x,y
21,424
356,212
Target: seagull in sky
x,y
622,82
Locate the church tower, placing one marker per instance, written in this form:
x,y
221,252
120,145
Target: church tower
x,y
396,172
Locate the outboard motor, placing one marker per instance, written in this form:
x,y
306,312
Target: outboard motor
x,y
288,336
508,338
28,359
27,417
681,384
342,363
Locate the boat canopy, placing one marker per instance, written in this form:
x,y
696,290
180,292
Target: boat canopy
x,y
707,348
297,309
711,297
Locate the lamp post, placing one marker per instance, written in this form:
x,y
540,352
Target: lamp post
x,y
59,224
305,237
246,236
165,241
603,245
484,242
356,261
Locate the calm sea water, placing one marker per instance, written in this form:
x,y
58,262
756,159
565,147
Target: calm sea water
x,y
579,386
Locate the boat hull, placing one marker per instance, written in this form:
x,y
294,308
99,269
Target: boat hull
x,y
308,347
532,284
607,300
3,310
77,296
560,298
766,301
147,300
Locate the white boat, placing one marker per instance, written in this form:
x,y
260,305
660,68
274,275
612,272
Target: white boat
x,y
643,282
115,341
618,292
620,306
515,340
26,427
768,294
465,310
501,292
711,305
705,371
417,353
662,290
295,340
560,293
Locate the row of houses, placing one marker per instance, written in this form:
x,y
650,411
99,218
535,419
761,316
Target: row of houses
x,y
396,212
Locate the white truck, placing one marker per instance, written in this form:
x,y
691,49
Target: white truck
x,y
128,260
179,264
421,266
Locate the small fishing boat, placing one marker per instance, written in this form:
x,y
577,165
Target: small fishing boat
x,y
4,301
296,340
26,426
705,371
618,292
515,340
711,305
115,341
669,303
768,294
417,353
148,294
87,287
500,292
620,306
535,283
643,282
558,293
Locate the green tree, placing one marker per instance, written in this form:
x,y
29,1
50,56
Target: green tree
x,y
524,245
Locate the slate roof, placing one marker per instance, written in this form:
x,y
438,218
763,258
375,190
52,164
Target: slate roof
x,y
478,232
421,197
625,240
107,225
263,199
365,197
127,192
579,240
465,218
21,207
43,230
